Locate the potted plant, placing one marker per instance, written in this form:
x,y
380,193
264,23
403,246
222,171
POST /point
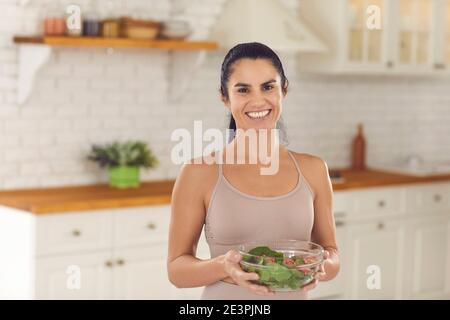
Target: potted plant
x,y
123,161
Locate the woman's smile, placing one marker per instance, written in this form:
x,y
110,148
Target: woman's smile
x,y
259,115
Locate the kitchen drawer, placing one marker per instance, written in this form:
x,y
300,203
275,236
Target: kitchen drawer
x,y
430,198
376,202
143,225
343,204
73,232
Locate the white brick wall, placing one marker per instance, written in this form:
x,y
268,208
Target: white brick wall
x,y
85,96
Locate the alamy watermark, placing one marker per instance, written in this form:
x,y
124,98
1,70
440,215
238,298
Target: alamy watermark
x,y
253,146
373,281
73,281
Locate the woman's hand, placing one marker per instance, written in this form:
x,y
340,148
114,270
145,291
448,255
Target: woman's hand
x,y
319,276
240,277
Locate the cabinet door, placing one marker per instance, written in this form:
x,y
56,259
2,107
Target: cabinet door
x,y
415,33
141,273
375,254
428,276
85,276
366,40
447,32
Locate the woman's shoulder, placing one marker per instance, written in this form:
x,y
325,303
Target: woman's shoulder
x,y
314,169
198,172
310,161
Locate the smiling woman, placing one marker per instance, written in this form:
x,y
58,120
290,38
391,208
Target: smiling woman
x,y
257,55
236,203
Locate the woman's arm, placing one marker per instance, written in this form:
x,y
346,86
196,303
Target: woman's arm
x,y
315,171
324,230
187,218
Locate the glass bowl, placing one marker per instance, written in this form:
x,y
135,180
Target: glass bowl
x,y
282,265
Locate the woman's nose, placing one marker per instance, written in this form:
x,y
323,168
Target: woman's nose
x,y
257,100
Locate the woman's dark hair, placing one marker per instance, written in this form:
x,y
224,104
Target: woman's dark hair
x,y
251,50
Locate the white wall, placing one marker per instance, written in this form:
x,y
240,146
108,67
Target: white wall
x,y
85,96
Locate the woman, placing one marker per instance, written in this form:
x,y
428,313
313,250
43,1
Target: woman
x,y
236,203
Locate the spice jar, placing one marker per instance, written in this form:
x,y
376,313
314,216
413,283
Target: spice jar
x,y
91,25
54,26
111,28
54,21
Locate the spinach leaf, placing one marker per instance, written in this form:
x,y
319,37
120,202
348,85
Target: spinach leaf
x,y
266,251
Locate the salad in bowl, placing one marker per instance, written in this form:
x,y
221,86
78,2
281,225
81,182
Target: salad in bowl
x,y
283,265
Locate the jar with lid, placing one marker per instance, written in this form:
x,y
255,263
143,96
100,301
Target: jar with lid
x,y
110,18
54,20
91,25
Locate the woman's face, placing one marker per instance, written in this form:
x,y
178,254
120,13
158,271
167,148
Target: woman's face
x,y
255,94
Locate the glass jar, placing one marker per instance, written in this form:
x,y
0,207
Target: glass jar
x,y
91,25
54,21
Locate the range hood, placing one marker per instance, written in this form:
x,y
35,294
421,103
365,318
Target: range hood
x,y
265,21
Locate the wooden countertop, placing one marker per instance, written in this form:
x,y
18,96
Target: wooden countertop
x,y
79,198
354,179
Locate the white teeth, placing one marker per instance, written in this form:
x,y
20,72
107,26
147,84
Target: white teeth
x,y
258,115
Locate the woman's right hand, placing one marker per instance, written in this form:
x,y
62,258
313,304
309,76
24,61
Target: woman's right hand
x,y
240,277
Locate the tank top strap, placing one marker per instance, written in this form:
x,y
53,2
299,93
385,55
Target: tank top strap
x,y
220,163
295,162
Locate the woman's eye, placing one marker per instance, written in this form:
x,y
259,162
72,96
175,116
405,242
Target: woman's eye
x,y
268,87
243,90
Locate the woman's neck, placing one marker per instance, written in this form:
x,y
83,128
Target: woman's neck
x,y
260,147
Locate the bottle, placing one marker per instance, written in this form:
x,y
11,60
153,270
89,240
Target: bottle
x,y
359,150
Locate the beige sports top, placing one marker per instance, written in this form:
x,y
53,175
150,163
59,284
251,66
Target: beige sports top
x,y
234,217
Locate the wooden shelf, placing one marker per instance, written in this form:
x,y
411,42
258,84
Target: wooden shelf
x,y
117,43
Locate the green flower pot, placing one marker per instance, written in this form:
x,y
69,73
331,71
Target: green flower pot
x,y
123,177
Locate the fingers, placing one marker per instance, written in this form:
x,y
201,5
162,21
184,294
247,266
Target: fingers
x,y
310,286
320,275
240,277
233,256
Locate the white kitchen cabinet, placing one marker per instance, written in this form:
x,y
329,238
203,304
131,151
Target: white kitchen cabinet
x,y
376,260
415,34
441,18
141,273
427,258
83,276
72,232
428,199
117,253
375,36
446,28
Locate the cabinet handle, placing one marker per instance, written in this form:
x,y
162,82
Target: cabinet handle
x,y
437,198
76,233
381,204
439,66
120,262
151,226
340,224
108,264
380,226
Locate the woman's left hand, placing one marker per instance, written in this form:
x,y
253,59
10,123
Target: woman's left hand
x,y
319,276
